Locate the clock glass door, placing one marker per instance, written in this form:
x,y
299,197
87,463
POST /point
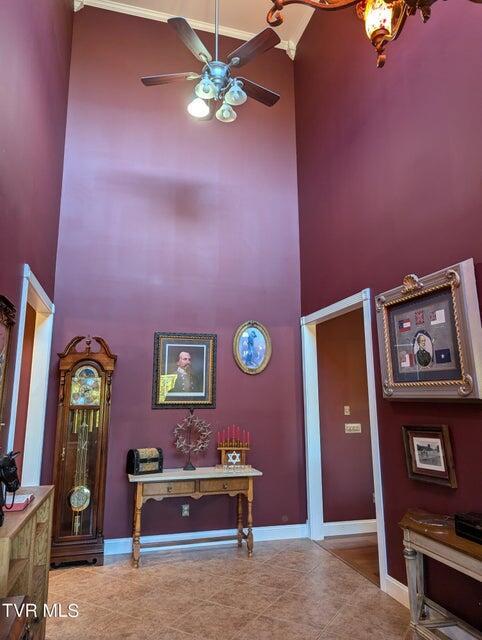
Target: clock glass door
x,y
81,450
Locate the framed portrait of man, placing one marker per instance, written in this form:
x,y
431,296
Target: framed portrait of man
x,y
184,370
430,336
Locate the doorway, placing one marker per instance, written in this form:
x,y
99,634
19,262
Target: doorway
x,y
345,501
346,461
30,377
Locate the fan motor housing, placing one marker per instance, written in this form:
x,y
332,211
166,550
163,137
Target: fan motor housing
x,y
219,73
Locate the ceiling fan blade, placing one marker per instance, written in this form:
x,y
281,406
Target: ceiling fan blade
x,y
168,78
265,40
259,93
190,38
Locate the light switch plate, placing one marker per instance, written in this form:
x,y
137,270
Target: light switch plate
x,y
185,510
353,427
346,410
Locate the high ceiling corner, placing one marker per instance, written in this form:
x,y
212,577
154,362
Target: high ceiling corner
x,y
238,19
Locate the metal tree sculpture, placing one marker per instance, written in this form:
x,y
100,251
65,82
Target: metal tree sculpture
x,y
192,436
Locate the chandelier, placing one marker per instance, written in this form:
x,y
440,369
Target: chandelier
x,y
384,19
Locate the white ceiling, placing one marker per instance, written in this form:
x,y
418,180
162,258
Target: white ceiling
x,y
238,18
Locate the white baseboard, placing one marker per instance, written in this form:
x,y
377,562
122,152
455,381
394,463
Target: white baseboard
x,y
114,546
348,527
397,590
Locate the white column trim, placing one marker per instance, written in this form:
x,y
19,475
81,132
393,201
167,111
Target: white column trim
x,y
375,445
314,489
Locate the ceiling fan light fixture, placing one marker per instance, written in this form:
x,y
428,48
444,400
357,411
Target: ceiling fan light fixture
x,y
236,96
205,88
198,108
226,113
214,83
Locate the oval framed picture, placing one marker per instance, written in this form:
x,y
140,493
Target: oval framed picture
x,y
252,347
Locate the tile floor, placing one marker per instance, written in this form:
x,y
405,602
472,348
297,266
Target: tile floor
x,y
289,590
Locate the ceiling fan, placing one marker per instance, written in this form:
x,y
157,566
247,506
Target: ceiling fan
x,y
218,91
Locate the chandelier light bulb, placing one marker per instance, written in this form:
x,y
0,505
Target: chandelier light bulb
x,y
198,108
205,89
236,96
383,22
378,16
226,113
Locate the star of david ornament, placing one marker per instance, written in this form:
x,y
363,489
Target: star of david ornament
x,y
234,457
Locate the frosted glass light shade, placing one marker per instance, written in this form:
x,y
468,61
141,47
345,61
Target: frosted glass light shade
x,y
205,89
198,108
226,113
235,96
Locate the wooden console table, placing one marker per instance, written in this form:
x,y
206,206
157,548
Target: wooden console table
x,y
25,554
425,534
204,481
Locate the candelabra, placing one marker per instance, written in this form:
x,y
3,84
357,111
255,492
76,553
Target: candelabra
x,y
233,445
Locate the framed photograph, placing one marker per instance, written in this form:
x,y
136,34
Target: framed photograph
x,y
7,320
184,370
430,336
252,347
428,452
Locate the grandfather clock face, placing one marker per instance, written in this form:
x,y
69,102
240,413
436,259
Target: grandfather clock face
x,y
81,449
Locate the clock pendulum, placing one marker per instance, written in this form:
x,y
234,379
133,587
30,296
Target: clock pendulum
x,y
84,420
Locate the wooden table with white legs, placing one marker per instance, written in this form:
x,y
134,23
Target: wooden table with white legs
x,y
425,534
203,481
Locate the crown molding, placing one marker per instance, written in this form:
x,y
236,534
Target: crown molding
x,y
300,29
140,12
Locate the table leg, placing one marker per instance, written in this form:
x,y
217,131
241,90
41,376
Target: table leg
x,y
249,539
136,535
240,519
423,611
412,564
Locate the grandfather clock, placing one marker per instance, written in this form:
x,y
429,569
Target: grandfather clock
x,y
81,451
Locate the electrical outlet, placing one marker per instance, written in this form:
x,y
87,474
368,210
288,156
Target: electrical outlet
x,y
185,510
353,428
346,410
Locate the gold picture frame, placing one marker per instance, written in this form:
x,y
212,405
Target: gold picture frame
x,y
252,347
430,336
184,372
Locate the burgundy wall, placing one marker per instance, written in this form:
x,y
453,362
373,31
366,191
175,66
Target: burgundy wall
x,y
35,41
347,461
174,225
389,184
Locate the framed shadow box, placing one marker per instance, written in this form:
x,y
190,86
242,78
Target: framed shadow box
x,y
430,336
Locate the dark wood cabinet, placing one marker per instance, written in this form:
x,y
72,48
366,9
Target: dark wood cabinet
x,y
7,320
81,451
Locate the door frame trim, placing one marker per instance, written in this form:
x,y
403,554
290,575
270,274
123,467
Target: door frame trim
x,y
34,294
316,527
